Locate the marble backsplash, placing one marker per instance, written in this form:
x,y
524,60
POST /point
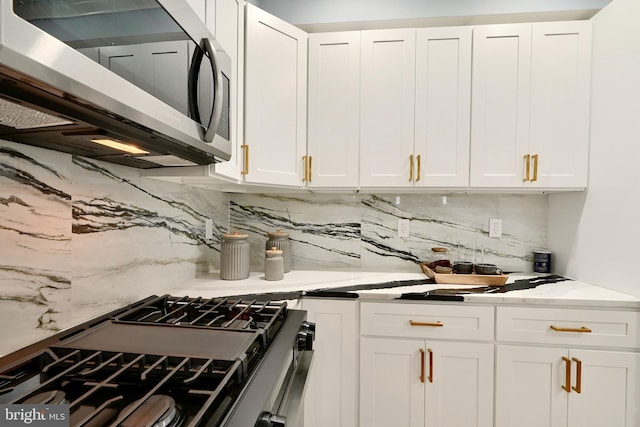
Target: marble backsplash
x,y
359,231
81,237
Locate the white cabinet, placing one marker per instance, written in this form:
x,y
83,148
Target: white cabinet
x,y
387,107
545,378
530,105
275,100
409,377
442,106
331,397
334,110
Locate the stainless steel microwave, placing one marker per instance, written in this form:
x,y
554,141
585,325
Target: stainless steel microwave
x,y
136,82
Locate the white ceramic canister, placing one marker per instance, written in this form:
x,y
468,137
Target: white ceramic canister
x,y
273,264
235,256
280,240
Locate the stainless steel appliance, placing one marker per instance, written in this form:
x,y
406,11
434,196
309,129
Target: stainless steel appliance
x,y
171,361
137,82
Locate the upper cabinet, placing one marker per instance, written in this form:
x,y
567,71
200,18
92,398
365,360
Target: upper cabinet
x,y
530,105
334,110
275,113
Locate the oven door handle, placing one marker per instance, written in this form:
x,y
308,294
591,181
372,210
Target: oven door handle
x,y
293,399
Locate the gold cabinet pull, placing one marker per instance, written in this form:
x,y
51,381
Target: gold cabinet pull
x,y
419,172
305,172
245,169
567,380
421,365
535,168
415,323
578,387
310,168
581,330
411,168
527,167
430,377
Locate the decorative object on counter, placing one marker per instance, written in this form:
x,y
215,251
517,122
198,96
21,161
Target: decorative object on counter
x,y
273,264
465,279
487,269
542,261
280,240
462,267
440,258
234,257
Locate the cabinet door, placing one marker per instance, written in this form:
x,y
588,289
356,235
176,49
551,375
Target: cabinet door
x,y
500,104
228,21
529,384
560,87
165,76
443,103
609,387
126,61
459,384
334,92
331,398
391,393
275,99
387,107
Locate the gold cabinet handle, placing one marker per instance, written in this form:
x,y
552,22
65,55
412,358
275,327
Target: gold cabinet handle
x,y
245,169
535,168
411,168
581,330
310,168
421,365
415,323
578,387
567,380
419,172
430,377
527,167
305,172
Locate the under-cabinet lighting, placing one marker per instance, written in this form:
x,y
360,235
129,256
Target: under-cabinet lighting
x,y
120,146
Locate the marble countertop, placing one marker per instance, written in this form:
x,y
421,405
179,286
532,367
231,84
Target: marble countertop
x,y
296,282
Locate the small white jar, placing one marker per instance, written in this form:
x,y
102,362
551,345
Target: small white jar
x,y
273,264
235,257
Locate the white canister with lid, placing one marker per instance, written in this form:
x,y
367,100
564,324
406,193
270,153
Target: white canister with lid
x,y
280,240
235,256
273,264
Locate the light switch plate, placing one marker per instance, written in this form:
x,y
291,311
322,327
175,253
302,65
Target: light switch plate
x,y
403,227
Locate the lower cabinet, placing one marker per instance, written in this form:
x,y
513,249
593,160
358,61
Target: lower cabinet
x,y
416,383
331,395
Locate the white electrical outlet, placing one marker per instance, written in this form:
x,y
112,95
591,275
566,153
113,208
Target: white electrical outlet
x,y
403,227
208,229
495,227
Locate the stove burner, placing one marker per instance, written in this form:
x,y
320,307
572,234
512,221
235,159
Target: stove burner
x,y
52,397
156,411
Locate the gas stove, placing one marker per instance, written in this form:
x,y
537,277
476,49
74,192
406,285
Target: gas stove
x,y
169,361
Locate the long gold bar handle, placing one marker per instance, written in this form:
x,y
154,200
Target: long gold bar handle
x,y
581,330
567,379
414,323
421,365
305,172
419,172
578,387
411,168
430,365
310,168
527,167
245,169
535,168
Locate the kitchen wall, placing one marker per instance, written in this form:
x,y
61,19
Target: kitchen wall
x,y
359,231
82,237
595,235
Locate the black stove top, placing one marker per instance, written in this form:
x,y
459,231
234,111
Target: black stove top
x,y
161,361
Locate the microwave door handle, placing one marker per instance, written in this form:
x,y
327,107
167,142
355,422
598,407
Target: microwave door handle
x,y
194,73
216,110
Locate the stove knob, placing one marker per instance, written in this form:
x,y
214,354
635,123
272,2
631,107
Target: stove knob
x,y
305,340
309,326
267,419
